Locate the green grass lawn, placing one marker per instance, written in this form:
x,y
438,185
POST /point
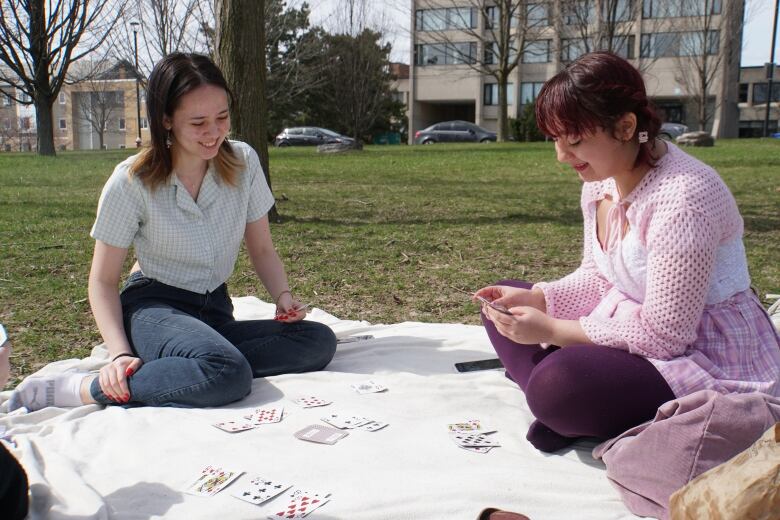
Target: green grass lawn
x,y
386,235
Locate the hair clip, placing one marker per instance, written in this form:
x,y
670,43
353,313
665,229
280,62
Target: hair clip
x,y
643,137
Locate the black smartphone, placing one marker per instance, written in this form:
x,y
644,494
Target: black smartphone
x,y
483,364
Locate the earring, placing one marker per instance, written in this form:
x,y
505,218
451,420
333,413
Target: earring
x,y
643,137
168,140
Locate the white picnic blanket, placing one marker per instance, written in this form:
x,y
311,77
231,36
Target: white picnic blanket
x,y
116,463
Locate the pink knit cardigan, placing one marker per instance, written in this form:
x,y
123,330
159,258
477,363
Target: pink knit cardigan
x,y
677,291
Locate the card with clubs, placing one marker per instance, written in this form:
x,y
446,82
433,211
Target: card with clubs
x,y
368,387
212,480
259,490
344,421
320,434
311,401
265,415
472,439
235,426
372,426
300,504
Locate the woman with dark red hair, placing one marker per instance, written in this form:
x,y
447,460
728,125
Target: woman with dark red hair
x,y
661,305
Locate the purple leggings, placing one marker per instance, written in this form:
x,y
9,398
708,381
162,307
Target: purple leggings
x,y
580,391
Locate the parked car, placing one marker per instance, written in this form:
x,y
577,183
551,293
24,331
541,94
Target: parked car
x,y
453,132
310,136
671,131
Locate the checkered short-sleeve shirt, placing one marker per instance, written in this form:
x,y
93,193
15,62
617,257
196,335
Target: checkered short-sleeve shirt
x,y
180,242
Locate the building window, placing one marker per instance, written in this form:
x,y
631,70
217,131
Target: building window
x,y
24,97
676,8
445,19
617,10
63,124
7,101
760,91
7,124
144,123
537,51
493,15
490,94
743,92
573,48
24,123
121,123
492,54
690,43
529,91
623,46
580,13
62,98
537,15
446,54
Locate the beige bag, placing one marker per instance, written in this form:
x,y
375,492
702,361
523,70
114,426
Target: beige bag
x,y
744,487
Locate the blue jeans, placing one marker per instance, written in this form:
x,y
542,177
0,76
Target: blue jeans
x,y
196,354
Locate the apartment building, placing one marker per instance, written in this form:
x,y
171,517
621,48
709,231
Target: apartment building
x,y
664,39
753,98
92,114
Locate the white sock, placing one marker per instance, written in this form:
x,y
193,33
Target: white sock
x,y
34,393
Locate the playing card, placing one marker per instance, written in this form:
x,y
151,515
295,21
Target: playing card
x,y
372,426
466,426
235,426
472,439
301,504
320,434
265,415
212,480
344,421
311,402
477,449
368,387
353,339
259,489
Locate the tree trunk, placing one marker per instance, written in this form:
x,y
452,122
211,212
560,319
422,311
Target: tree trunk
x,y
241,56
44,124
503,123
43,97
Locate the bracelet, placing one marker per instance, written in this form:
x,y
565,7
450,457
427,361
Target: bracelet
x,y
123,354
276,301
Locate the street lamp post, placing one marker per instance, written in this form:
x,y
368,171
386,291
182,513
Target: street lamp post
x,y
137,90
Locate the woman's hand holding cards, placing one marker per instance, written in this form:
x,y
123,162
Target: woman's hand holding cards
x,y
288,309
508,297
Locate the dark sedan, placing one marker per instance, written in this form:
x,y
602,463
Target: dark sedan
x,y
454,132
310,136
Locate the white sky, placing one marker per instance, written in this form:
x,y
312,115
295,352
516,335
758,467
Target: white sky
x,y
755,46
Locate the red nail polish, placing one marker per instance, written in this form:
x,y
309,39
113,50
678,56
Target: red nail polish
x,y
129,372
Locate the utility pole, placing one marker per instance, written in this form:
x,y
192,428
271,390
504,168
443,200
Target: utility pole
x,y
770,72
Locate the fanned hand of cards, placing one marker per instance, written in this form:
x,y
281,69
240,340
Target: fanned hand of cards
x,y
345,421
252,420
301,503
471,436
212,480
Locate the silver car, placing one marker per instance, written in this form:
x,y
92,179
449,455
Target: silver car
x,y
671,131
